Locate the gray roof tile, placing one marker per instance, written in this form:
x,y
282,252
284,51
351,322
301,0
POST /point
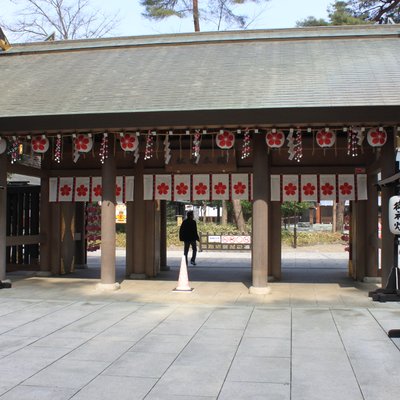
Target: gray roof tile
x,y
318,67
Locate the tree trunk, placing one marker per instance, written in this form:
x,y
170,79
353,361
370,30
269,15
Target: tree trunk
x,y
238,212
339,216
196,20
224,219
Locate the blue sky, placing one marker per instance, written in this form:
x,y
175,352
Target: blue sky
x,y
271,15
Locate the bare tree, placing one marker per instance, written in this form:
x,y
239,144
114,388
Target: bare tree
x,y
64,19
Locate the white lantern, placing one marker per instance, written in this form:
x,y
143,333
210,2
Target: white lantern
x,y
83,143
3,145
325,138
225,140
394,215
376,137
129,141
275,139
40,144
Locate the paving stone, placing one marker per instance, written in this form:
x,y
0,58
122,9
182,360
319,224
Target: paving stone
x,y
254,391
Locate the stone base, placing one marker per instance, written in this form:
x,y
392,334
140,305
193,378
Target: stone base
x,y
107,287
259,290
165,268
43,273
372,279
137,276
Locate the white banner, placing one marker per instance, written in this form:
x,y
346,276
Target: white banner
x,y
309,188
220,187
275,188
201,187
129,188
290,188
240,187
82,189
182,187
148,187
362,189
163,187
327,187
53,189
97,189
119,190
346,189
66,189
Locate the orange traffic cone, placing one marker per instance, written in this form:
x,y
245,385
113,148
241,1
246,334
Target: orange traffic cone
x,y
183,281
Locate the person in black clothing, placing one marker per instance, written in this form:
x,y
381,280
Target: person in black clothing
x,y
188,234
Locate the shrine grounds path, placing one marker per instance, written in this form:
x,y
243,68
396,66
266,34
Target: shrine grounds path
x,y
317,335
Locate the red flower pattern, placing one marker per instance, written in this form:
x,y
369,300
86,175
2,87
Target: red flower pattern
x,y
182,188
308,189
97,191
239,188
65,190
82,143
118,190
225,140
81,191
346,188
325,139
378,138
201,188
327,189
275,139
290,189
40,144
220,188
128,142
162,188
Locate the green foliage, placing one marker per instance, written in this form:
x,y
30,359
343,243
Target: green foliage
x,y
339,13
376,10
310,238
291,208
220,12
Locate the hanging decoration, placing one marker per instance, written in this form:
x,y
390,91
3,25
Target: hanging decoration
x,y
246,147
104,148
149,150
196,146
40,144
275,139
352,143
93,226
298,145
128,141
167,150
57,150
83,143
3,145
136,152
13,151
225,140
291,146
376,137
325,138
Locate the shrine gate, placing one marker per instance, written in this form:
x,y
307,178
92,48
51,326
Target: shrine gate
x,y
269,116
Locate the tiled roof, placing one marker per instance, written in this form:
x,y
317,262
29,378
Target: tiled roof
x,y
294,68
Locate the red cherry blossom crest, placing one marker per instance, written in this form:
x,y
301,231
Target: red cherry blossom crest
x,y
163,188
239,188
182,189
220,188
309,189
290,189
225,140
201,188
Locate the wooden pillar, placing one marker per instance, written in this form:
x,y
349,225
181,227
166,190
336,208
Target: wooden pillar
x,y
371,250
80,242
275,242
163,236
129,230
387,159
108,235
3,214
152,238
67,237
136,247
260,248
359,239
55,238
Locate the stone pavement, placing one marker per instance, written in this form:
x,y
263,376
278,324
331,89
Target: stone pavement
x,y
62,339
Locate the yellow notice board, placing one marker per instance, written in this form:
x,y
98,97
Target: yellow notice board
x,y
120,214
